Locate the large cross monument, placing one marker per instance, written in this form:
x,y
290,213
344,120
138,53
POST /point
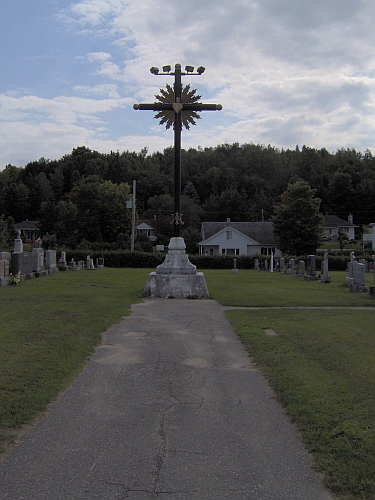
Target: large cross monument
x,y
177,107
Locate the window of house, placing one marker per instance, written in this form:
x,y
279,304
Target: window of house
x,y
267,250
229,235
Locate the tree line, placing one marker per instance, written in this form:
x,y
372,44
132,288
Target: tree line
x,y
81,198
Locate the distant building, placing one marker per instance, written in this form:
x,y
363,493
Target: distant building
x,y
144,229
237,238
332,224
28,228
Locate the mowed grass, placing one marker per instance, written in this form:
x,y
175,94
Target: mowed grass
x,y
49,328
251,288
320,363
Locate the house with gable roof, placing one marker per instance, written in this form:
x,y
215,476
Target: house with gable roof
x,y
238,238
28,229
333,224
144,229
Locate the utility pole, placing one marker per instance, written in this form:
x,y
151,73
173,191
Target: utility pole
x,y
133,217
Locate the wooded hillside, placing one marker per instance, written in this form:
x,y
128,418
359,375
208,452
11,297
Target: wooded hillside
x,y
242,182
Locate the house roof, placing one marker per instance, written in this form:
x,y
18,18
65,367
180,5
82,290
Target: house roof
x,y
27,225
262,232
143,225
334,221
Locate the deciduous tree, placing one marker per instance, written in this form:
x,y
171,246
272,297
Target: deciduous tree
x,y
298,225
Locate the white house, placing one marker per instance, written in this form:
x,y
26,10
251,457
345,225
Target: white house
x,y
332,224
144,229
237,238
28,229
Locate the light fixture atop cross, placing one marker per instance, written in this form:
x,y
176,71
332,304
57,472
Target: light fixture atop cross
x,y
178,107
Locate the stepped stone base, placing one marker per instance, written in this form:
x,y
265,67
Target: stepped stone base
x,y
177,277
169,286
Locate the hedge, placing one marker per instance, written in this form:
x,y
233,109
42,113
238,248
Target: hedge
x,y
126,258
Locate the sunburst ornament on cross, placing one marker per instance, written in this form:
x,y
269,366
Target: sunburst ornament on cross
x,y
177,107
167,116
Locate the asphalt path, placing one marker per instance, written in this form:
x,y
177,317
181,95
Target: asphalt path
x,y
169,407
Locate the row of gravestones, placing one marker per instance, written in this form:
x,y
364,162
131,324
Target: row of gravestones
x,y
27,264
356,279
298,267
356,271
38,263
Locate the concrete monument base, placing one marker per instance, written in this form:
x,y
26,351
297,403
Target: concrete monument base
x,y
177,277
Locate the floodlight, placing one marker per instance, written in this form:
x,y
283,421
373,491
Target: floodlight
x,y
154,70
201,70
166,69
189,69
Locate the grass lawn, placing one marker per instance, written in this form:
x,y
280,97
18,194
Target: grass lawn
x,y
320,362
261,289
50,326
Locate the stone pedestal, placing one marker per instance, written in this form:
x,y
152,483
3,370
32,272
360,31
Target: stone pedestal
x,y
177,277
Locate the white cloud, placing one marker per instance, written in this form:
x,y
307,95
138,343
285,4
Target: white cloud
x,y
108,90
287,72
98,56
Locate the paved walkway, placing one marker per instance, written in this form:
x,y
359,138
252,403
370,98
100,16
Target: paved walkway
x,y
169,407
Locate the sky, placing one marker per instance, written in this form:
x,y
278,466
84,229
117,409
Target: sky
x,y
287,73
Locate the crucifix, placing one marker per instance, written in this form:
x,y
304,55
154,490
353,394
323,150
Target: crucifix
x,y
178,107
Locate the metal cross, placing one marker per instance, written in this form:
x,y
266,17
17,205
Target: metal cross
x,y
177,107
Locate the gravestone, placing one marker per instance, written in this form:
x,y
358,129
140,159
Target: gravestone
x,y
73,266
18,245
364,262
291,268
301,268
324,277
21,263
51,260
359,274
4,268
282,265
62,264
234,270
37,260
358,283
311,268
349,279
89,263
5,258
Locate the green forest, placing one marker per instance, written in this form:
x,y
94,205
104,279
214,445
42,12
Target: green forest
x,y
81,197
